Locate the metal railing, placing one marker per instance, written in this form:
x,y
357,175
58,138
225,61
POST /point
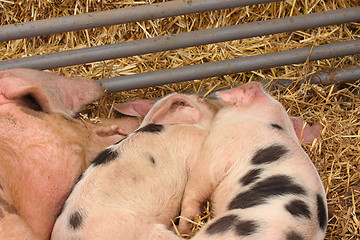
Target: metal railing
x,y
118,16
181,40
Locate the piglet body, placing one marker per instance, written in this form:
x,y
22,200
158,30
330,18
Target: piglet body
x,y
43,149
262,184
133,189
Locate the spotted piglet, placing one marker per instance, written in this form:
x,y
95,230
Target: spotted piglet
x,y
262,184
133,189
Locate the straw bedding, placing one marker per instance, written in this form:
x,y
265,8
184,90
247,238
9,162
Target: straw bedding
x,y
336,155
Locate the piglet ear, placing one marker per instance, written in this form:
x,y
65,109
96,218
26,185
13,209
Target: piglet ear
x,y
306,133
137,108
228,96
243,94
53,93
175,109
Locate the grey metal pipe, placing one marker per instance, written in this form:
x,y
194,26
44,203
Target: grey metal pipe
x,y
231,66
324,77
182,40
336,76
118,16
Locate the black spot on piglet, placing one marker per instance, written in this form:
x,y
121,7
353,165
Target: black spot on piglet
x,y
278,185
104,157
221,225
294,236
245,227
75,220
251,176
152,127
298,208
269,154
322,217
276,126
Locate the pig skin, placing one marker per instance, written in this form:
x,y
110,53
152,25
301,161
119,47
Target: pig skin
x,y
12,226
43,150
133,189
261,183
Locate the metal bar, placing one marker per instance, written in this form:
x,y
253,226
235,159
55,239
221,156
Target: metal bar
x,y
231,66
324,77
182,40
336,76
118,16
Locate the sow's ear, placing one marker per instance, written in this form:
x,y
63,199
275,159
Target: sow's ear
x,y
137,108
305,133
175,109
53,93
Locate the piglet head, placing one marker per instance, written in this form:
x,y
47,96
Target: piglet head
x,y
255,103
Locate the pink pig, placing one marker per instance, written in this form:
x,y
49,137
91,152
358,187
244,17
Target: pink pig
x,y
133,189
262,184
42,149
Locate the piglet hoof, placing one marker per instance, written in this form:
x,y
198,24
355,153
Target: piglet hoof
x,y
185,226
106,131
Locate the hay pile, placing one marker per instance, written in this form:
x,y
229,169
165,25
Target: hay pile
x,y
336,155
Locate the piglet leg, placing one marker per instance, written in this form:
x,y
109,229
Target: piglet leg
x,y
198,189
161,233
